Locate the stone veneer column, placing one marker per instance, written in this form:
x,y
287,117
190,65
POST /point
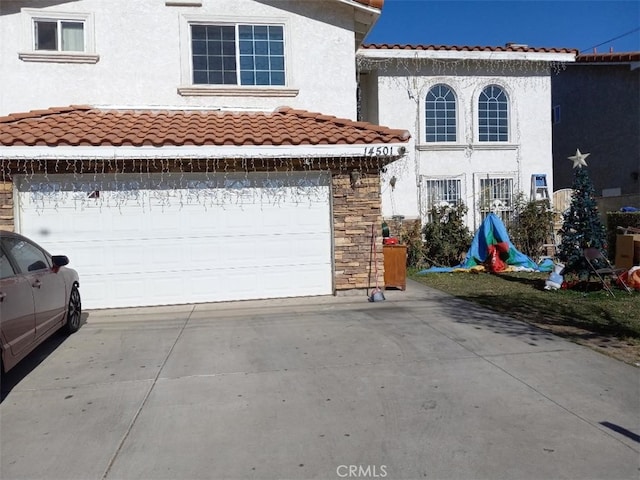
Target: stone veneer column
x,y
6,205
355,209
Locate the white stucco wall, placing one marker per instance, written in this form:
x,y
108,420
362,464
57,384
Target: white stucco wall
x,y
140,50
401,89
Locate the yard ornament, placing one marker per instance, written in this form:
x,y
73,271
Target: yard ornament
x,y
554,282
579,159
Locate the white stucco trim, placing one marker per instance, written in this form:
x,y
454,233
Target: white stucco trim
x,y
494,146
434,147
218,91
466,55
183,3
388,150
58,57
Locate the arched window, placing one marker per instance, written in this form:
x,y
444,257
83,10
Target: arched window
x,y
440,114
493,115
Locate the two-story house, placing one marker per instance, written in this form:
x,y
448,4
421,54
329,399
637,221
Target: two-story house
x,y
596,105
187,151
480,119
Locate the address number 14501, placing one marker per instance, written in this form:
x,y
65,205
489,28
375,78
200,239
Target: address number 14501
x,y
383,151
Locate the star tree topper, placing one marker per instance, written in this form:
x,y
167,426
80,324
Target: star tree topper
x,y
579,159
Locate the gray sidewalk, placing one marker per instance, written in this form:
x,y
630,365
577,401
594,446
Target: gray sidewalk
x,y
421,385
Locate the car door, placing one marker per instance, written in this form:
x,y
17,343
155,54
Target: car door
x,y
48,287
17,312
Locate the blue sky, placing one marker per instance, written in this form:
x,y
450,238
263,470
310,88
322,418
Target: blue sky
x,y
580,24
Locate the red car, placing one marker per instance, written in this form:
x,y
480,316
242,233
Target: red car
x,y
38,296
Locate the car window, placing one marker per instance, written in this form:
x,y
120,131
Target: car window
x,y
6,270
28,257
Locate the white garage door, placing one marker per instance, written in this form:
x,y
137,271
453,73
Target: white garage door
x,y
139,240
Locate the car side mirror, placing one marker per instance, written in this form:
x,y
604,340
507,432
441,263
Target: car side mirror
x,y
60,260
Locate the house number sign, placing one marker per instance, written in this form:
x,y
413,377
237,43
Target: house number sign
x,y
383,151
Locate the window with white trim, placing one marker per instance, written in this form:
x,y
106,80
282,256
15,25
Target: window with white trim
x,y
238,54
439,193
496,195
493,115
440,114
58,35
65,37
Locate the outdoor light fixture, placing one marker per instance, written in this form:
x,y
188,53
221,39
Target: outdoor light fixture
x,y
356,178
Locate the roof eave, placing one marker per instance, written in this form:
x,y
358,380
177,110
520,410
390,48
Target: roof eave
x,y
361,6
386,151
365,17
466,55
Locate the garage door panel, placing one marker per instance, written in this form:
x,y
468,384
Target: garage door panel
x,y
303,249
228,284
125,290
86,260
257,282
151,247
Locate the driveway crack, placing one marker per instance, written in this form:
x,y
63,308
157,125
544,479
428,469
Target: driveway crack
x,y
146,398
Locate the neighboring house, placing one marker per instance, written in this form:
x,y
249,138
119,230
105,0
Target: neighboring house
x,y
148,141
479,119
596,105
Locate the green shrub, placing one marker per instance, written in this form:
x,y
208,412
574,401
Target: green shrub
x,y
411,236
532,225
446,237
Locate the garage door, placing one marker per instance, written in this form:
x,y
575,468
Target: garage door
x,y
140,240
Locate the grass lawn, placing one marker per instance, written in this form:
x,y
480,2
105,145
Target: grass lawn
x,y
594,318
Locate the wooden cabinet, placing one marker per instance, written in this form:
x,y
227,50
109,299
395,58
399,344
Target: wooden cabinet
x,y
395,266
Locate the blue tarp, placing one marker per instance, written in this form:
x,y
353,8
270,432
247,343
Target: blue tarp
x,y
492,232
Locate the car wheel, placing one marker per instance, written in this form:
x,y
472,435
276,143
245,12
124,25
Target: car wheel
x,y
74,311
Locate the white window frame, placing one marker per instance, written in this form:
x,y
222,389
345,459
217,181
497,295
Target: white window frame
x,y
421,137
511,118
188,88
30,54
505,212
426,203
456,114
499,118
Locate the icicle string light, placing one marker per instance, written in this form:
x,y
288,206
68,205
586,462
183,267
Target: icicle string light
x,y
162,183
432,66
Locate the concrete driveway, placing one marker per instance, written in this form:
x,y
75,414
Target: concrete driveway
x,y
419,386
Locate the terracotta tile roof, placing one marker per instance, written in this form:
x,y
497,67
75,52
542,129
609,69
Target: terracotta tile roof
x,y
372,3
609,57
466,48
88,126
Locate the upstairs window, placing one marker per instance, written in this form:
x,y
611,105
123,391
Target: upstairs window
x,y
493,115
238,54
58,35
440,114
62,37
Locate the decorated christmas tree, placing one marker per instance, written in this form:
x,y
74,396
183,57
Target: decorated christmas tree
x,y
581,226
